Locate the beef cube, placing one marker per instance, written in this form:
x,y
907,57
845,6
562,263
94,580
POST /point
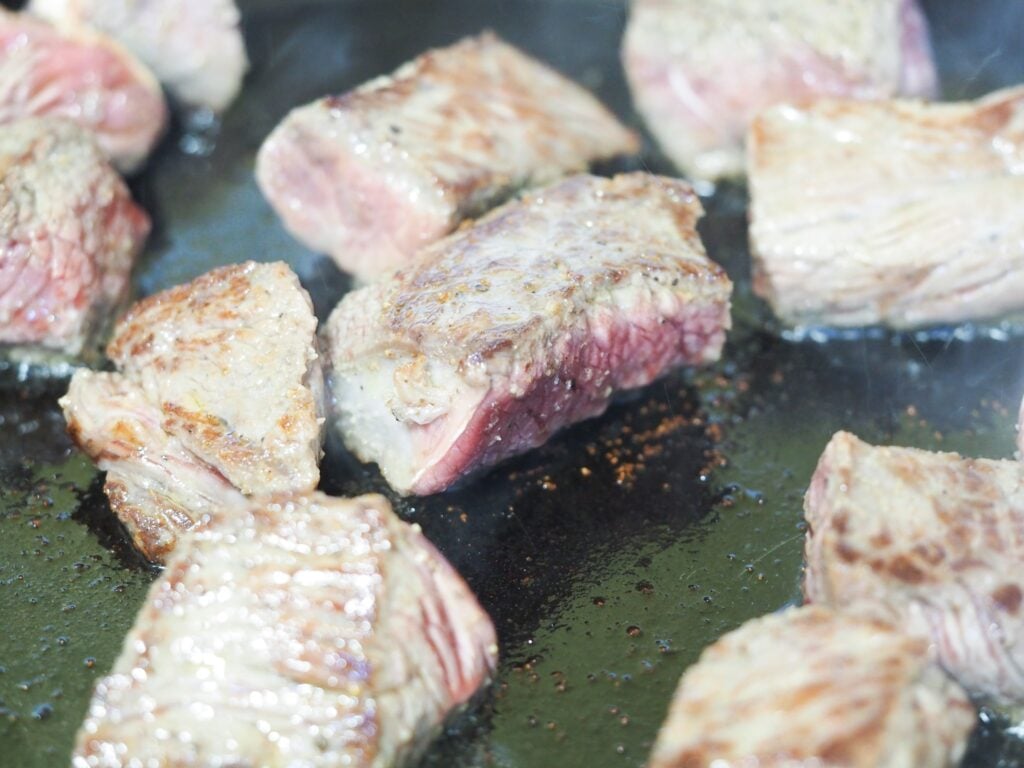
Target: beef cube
x,y
529,320
219,394
195,48
299,631
372,176
812,687
82,76
932,542
69,234
894,213
700,70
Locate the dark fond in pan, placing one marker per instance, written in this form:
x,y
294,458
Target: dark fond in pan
x,y
610,557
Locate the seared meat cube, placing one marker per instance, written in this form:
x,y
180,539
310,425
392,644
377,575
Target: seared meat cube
x,y
529,320
700,70
84,77
930,541
301,631
220,388
157,487
896,213
194,47
811,687
371,176
69,234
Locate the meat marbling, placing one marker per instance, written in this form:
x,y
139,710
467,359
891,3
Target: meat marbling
x,y
82,76
299,631
219,394
69,233
699,70
195,48
813,687
930,541
858,211
529,320
371,176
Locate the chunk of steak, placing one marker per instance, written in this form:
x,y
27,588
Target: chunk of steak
x,y
930,541
195,48
220,388
371,176
811,687
157,487
305,630
84,77
69,234
893,212
700,70
529,320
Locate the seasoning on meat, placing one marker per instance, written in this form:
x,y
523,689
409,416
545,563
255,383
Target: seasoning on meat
x,y
529,320
371,176
700,70
219,393
84,77
810,687
194,47
301,631
930,541
69,233
893,212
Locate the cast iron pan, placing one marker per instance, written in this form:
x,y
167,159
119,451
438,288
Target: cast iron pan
x,y
610,557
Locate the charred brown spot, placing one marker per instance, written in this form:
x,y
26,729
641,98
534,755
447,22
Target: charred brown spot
x,y
1008,597
909,471
840,522
931,553
195,417
881,540
846,553
903,568
142,346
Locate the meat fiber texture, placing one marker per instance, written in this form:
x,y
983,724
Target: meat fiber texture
x,y
69,234
529,320
896,213
930,541
371,176
811,687
194,47
299,631
218,396
82,76
700,70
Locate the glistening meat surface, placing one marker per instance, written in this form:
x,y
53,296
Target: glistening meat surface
x,y
373,175
85,77
529,320
896,213
69,233
700,70
194,48
813,687
300,631
218,394
930,541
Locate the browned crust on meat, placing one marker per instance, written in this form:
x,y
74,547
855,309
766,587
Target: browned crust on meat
x,y
132,335
439,65
154,527
441,272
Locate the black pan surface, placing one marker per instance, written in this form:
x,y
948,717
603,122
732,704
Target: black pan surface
x,y
610,557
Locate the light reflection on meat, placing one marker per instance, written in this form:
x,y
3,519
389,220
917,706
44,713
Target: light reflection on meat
x,y
302,630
